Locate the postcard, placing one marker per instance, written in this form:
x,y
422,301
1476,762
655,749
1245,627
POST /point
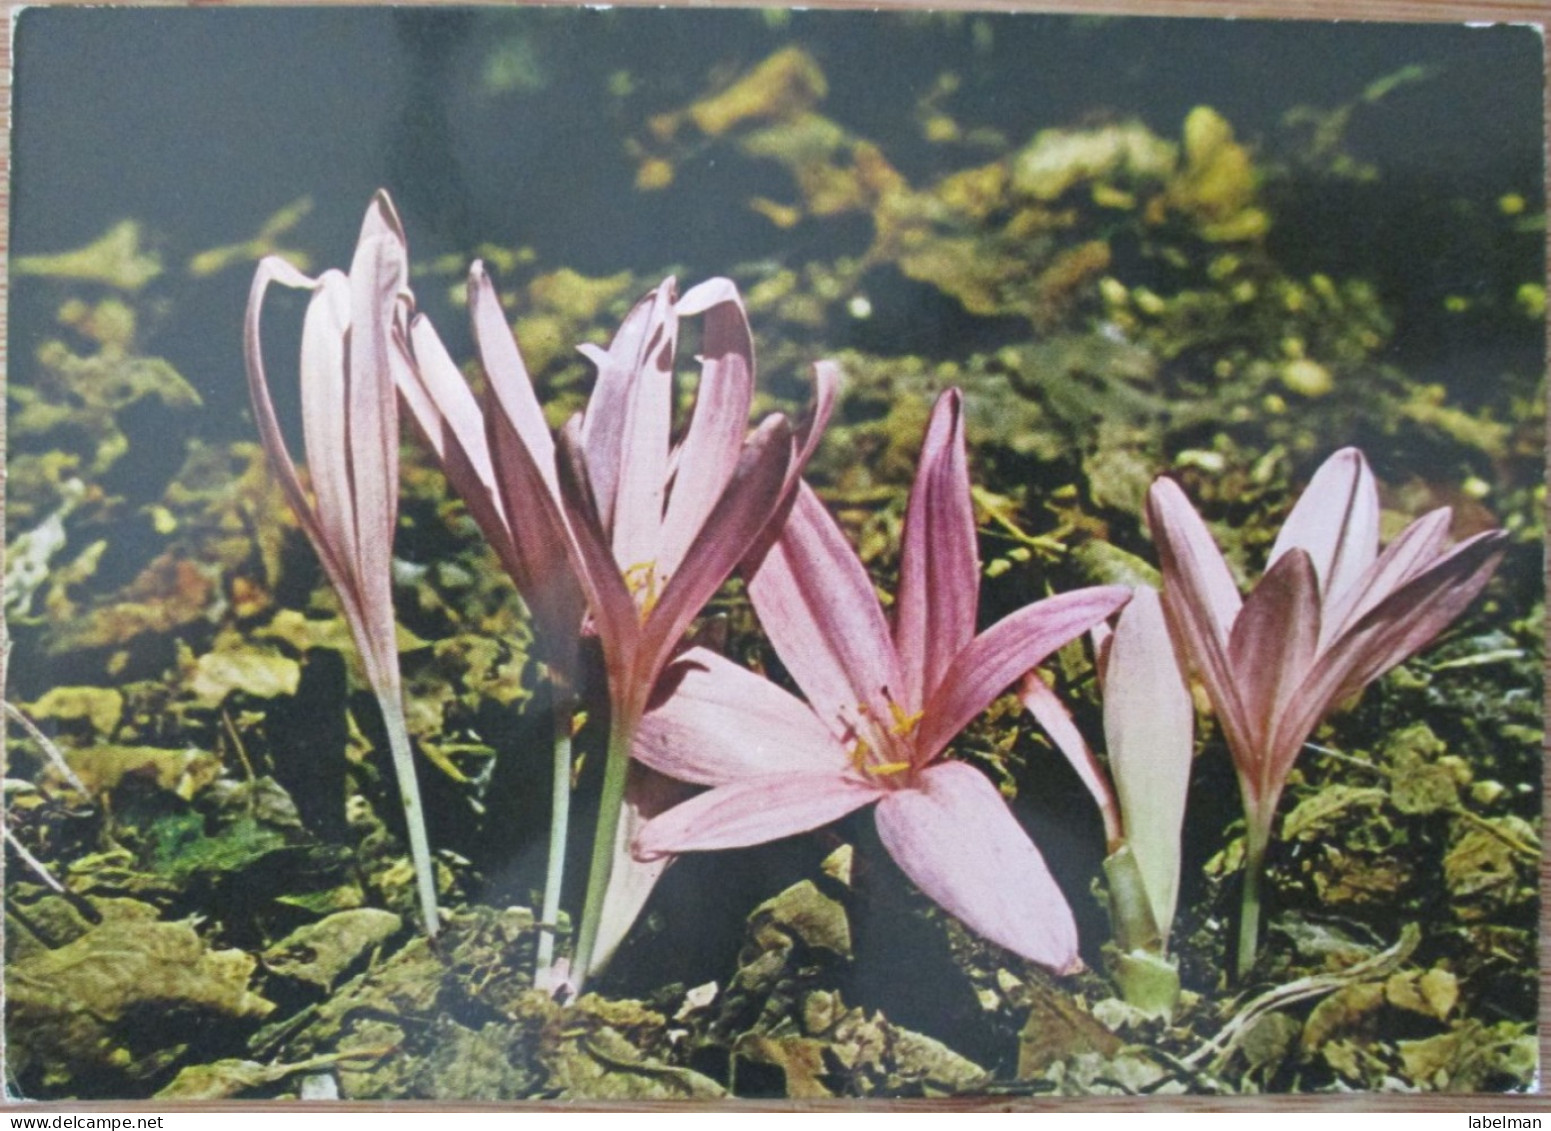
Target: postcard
x,y
635,554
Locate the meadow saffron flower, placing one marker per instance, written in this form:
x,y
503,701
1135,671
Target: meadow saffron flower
x,y
1330,616
351,361
882,707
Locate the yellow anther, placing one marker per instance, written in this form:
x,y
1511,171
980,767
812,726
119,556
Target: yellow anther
x,y
903,724
859,754
888,768
641,581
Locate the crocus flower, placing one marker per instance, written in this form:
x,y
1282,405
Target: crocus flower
x,y
350,364
882,708
1330,616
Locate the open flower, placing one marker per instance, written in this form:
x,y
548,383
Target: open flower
x,y
882,707
1330,616
351,361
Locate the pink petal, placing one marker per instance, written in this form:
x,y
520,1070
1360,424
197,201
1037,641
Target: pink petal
x,y
955,838
613,609
506,374
939,567
1149,731
754,811
1391,632
275,270
817,605
379,279
538,555
631,881
1274,644
737,519
713,722
449,418
1410,553
626,429
1001,654
1056,721
325,415
1199,600
720,420
1336,521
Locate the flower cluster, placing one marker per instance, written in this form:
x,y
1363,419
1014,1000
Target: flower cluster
x,y
612,529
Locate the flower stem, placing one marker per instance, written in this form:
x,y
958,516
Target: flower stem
x,y
1258,836
563,706
414,813
622,727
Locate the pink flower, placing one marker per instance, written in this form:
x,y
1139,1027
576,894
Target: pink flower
x,y
882,707
351,360
658,528
1330,616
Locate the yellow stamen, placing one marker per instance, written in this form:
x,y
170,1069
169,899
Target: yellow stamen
x,y
641,581
903,724
887,768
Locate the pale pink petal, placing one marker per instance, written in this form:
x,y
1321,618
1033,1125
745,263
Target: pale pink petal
x,y
712,722
717,427
955,838
647,794
1001,654
818,606
1056,721
737,519
826,390
507,375
1149,731
325,416
1391,632
613,609
1273,646
450,420
1199,600
1336,520
1411,552
379,279
276,270
627,425
939,565
754,811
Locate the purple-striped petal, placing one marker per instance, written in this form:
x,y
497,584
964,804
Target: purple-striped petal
x,y
1200,601
955,838
1273,646
325,417
712,722
818,606
613,609
706,458
507,375
626,428
737,519
1336,521
754,811
1001,654
1391,632
939,566
1412,551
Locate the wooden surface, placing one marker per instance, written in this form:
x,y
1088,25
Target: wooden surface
x,y
1447,11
